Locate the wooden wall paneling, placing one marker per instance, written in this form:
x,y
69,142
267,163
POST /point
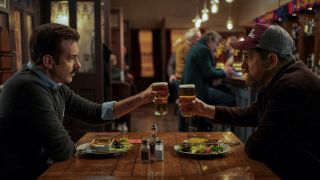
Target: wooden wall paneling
x,y
5,56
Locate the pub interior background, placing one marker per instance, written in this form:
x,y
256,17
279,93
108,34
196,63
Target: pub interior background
x,y
141,34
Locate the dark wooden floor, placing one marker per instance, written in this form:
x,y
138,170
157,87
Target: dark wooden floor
x,y
143,118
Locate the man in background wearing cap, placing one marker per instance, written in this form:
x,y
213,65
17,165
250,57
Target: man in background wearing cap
x,y
286,112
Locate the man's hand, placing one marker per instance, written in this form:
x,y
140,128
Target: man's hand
x,y
147,95
172,77
229,70
198,108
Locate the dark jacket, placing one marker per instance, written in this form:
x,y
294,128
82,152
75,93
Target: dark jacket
x,y
287,118
199,69
32,135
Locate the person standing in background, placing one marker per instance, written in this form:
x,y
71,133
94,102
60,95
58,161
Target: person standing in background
x,y
171,70
192,36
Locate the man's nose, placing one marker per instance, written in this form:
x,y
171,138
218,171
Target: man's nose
x,y
78,64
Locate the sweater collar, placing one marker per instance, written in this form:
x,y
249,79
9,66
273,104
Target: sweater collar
x,y
47,81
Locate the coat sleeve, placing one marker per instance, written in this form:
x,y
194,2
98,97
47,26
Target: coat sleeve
x,y
237,116
279,121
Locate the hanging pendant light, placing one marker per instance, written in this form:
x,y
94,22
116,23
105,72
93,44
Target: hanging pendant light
x,y
205,12
197,21
229,24
229,1
214,6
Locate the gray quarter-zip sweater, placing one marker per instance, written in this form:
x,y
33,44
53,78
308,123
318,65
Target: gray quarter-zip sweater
x,y
32,135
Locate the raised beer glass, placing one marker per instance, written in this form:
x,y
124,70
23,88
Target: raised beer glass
x,y
187,94
161,100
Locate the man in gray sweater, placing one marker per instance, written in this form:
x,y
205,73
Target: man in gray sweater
x,y
34,101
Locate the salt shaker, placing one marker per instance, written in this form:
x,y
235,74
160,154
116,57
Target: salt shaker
x,y
145,151
159,150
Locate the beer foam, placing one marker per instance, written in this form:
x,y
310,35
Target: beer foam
x,y
187,86
160,84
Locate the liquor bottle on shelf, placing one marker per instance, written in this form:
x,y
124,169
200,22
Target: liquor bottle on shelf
x,y
306,27
295,31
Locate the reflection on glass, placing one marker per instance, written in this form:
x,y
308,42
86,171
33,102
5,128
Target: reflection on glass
x,y
85,27
17,35
60,12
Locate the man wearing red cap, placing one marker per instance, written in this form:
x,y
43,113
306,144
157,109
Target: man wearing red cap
x,y
286,112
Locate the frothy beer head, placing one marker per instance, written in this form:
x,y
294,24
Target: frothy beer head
x,y
187,86
187,90
161,87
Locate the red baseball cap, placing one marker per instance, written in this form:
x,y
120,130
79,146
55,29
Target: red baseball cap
x,y
269,37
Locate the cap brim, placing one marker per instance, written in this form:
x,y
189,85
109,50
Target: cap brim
x,y
243,45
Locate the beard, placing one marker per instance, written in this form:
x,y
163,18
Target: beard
x,y
256,83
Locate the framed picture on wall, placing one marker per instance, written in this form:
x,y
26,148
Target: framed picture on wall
x,y
3,4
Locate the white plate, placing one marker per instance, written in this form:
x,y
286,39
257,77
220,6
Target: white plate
x,y
85,149
225,149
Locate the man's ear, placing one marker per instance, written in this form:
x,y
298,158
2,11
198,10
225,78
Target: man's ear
x,y
48,61
273,61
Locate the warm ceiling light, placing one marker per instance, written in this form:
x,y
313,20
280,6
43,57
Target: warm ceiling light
x,y
197,21
229,24
214,6
229,1
205,17
205,12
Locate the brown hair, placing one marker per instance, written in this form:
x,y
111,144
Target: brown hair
x,y
211,36
47,38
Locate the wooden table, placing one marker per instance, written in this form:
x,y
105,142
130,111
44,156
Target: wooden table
x,y
234,165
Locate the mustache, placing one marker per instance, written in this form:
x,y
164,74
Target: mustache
x,y
75,71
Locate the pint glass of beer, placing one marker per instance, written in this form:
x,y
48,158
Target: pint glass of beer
x,y
161,100
187,94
